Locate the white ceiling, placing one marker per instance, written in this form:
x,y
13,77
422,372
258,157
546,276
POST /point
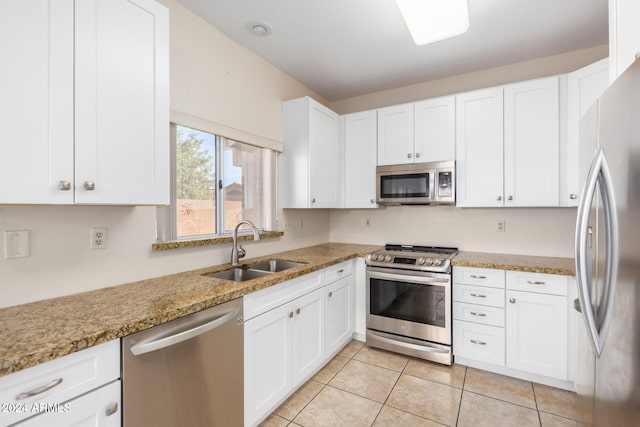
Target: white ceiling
x,y
345,48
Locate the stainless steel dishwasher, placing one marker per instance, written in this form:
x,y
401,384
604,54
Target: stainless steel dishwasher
x,y
187,372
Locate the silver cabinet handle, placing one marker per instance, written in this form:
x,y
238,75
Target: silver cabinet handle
x,y
330,294
313,200
112,408
297,311
476,276
473,313
417,154
573,196
535,282
478,295
478,342
499,198
147,347
341,271
373,200
576,305
291,314
41,389
89,185
409,156
512,300
64,185
510,198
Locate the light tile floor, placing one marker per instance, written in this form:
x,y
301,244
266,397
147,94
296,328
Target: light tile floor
x,y
363,386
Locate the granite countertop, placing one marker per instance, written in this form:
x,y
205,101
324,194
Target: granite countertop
x,y
45,330
532,264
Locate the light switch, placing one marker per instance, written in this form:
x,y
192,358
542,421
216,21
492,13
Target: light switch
x,y
16,244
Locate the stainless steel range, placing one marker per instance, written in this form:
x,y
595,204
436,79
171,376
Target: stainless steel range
x,y
409,301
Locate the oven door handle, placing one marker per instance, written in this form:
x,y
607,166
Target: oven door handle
x,y
410,345
409,278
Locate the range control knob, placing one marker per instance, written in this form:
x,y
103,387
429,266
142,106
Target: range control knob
x,y
438,262
429,261
380,257
388,258
420,261
370,257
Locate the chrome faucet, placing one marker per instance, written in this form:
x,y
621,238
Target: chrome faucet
x,y
239,252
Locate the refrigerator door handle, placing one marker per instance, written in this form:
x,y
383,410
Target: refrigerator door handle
x,y
598,177
582,246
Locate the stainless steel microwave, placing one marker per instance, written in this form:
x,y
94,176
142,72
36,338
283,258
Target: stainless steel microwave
x,y
416,184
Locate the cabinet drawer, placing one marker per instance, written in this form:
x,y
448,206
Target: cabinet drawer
x,y
479,276
267,299
478,314
478,295
338,271
540,283
479,342
74,375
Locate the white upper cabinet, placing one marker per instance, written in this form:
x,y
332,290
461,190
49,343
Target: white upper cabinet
x,y
85,105
312,155
507,145
624,35
36,106
479,148
360,145
435,129
584,87
532,143
395,135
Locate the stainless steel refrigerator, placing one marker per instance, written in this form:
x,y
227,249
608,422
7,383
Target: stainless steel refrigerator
x,y
608,258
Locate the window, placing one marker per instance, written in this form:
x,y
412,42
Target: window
x,y
217,182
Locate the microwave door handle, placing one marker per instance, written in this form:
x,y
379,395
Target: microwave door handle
x,y
433,177
583,254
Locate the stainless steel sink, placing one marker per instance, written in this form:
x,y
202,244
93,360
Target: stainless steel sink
x,y
239,274
275,265
253,271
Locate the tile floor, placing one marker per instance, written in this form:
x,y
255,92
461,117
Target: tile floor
x,y
363,386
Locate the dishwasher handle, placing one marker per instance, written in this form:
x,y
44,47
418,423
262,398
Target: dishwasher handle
x,y
147,347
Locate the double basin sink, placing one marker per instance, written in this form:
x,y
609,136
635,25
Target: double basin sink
x,y
253,271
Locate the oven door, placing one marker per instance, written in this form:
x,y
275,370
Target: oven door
x,y
409,303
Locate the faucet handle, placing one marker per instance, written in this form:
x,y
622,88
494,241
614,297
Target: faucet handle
x,y
241,252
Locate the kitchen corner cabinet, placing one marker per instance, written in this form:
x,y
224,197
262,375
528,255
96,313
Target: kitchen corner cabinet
x,y
85,107
512,322
584,87
83,388
507,145
396,135
360,147
313,159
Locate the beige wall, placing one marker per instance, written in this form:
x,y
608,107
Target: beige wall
x,y
547,66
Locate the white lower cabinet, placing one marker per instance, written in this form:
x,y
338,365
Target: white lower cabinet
x,y
81,389
307,347
525,333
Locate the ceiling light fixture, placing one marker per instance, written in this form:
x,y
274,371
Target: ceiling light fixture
x,y
259,28
432,20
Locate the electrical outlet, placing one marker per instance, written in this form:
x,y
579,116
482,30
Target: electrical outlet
x,y
98,238
501,225
16,244
367,222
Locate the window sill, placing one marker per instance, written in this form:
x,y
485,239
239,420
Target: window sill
x,y
177,244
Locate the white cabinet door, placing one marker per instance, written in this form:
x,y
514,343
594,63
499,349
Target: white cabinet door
x,y
536,329
584,87
267,361
479,145
121,102
313,162
100,408
532,143
360,146
435,129
624,35
308,335
359,299
36,105
338,314
395,135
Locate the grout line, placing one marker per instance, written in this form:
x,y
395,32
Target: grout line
x,y
464,380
